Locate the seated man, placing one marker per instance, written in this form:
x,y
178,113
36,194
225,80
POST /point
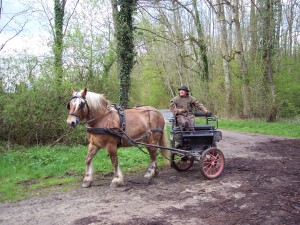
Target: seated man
x,y
182,108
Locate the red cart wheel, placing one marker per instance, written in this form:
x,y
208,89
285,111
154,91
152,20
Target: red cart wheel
x,y
212,163
181,162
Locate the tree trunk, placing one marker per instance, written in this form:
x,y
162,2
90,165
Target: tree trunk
x,y
241,55
179,48
225,55
201,43
290,21
268,45
253,32
277,36
59,11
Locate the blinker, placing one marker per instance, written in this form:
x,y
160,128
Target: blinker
x,y
82,103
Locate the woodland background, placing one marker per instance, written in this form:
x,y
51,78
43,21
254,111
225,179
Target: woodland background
x,y
239,58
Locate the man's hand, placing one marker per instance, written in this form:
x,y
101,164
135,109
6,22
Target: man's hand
x,y
205,111
181,110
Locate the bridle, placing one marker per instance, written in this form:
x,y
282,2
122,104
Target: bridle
x,y
83,103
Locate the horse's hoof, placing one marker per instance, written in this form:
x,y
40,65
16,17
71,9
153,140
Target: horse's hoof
x,y
116,182
148,179
86,184
113,185
149,176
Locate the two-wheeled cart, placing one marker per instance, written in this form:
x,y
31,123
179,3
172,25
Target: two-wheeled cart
x,y
197,144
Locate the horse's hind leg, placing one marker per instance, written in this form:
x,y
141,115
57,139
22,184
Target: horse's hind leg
x,y
88,178
118,179
152,169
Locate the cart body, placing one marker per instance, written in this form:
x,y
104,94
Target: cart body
x,y
197,144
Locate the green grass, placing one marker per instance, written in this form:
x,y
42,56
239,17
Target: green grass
x,y
284,128
28,172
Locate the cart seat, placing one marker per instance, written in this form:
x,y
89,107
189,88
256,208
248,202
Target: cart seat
x,y
198,127
204,127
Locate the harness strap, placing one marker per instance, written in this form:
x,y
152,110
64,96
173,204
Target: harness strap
x,y
121,134
121,115
157,130
108,131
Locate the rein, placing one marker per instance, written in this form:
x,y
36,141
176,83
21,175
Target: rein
x,y
120,112
88,121
121,134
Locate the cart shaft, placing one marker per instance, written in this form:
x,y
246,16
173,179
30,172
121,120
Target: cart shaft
x,y
167,148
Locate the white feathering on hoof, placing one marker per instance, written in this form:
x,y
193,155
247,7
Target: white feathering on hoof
x,y
119,180
151,171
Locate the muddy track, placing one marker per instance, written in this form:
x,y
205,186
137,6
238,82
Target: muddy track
x,y
259,185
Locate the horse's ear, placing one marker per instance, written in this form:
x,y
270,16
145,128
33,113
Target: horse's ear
x,y
83,94
72,91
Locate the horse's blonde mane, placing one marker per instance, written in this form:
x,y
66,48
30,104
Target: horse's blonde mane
x,y
96,101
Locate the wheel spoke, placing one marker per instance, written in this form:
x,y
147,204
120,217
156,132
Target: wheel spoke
x,y
212,163
208,170
181,162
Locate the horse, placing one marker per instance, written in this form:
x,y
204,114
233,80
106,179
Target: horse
x,y
111,127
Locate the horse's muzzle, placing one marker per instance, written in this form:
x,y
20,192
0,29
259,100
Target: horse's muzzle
x,y
73,121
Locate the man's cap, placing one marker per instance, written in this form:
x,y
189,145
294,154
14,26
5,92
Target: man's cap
x,y
185,88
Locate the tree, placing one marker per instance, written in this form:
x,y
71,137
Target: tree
x,y
62,14
90,50
199,40
226,56
241,54
124,32
59,13
268,53
253,31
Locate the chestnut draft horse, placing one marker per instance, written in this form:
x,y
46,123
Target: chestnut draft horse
x,y
112,127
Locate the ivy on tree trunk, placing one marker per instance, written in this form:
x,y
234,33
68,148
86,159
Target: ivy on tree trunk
x,y
59,8
123,11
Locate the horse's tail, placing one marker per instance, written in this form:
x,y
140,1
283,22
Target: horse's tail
x,y
164,142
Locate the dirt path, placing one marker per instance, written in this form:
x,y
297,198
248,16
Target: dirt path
x,y
260,185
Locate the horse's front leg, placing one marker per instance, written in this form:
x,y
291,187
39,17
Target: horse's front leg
x,y
88,177
118,179
152,169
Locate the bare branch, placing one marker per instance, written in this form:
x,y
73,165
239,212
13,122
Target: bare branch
x,y
2,45
68,20
0,8
186,8
157,35
48,18
17,32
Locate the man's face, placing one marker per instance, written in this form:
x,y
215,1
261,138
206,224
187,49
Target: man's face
x,y
182,93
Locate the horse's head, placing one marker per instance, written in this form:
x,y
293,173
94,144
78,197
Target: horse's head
x,y
78,108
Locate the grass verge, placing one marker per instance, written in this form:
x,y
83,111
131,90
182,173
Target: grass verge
x,y
29,172
284,128
281,128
